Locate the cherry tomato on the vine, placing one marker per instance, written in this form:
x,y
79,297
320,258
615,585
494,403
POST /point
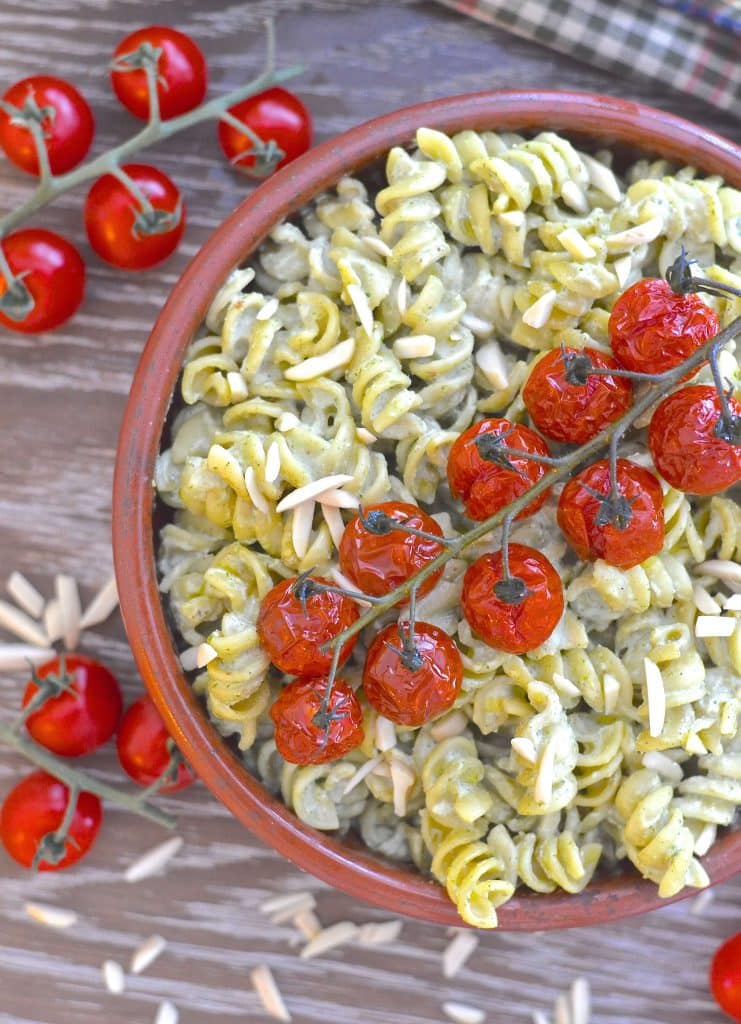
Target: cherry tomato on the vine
x,y
653,328
182,74
379,560
639,505
300,739
516,626
292,630
121,232
35,808
275,115
411,685
684,446
575,413
85,713
485,478
63,116
142,747
725,976
52,271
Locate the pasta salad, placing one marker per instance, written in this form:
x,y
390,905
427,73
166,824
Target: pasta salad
x,y
396,365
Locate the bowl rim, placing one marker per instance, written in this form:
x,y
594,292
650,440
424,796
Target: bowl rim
x,y
355,871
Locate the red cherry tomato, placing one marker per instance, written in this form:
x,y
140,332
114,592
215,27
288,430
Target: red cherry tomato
x,y
684,446
53,272
142,747
575,413
725,977
65,119
652,328
182,75
642,503
117,227
302,740
292,632
412,689
275,114
483,484
516,627
35,808
86,712
378,562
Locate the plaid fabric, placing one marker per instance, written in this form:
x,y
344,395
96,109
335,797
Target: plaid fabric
x,y
690,45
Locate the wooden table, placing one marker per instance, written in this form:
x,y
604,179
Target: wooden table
x,y
61,399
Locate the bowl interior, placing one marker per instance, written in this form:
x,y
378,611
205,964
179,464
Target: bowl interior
x,y
594,121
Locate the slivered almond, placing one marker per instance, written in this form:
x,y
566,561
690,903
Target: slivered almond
x,y
266,311
401,296
267,991
307,923
538,314
147,953
114,978
705,602
291,901
360,303
657,762
167,1013
154,860
298,906
490,360
189,658
461,1013
610,691
361,773
257,498
457,952
655,697
204,654
715,625
25,594
17,656
602,177
237,386
580,998
701,902
622,268
379,933
576,244
512,218
414,346
402,780
286,421
102,605
565,686
22,625
51,917
721,569
543,789
365,436
272,463
694,745
733,603
639,234
301,524
338,498
69,603
335,523
476,325
377,245
329,938
525,748
312,491
385,734
574,197
318,366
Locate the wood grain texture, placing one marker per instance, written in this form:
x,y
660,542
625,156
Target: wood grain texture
x,y
61,399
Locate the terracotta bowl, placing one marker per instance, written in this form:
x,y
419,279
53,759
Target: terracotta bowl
x,y
345,863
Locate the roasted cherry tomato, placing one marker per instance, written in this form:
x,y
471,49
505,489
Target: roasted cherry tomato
x,y
485,478
652,328
514,617
121,232
685,448
624,531
143,750
182,75
570,405
301,736
725,977
296,619
275,115
52,271
34,809
63,116
378,558
85,713
412,679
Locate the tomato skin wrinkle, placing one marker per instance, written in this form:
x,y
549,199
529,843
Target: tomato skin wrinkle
x,y
141,745
292,636
182,72
275,114
653,329
485,487
515,628
407,696
575,413
111,212
683,445
34,808
725,976
75,723
299,739
53,272
578,509
67,134
378,563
